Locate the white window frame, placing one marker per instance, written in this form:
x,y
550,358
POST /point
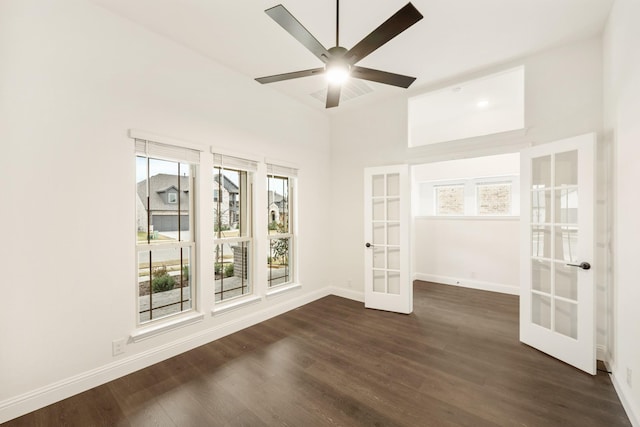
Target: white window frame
x,y
167,152
290,173
225,162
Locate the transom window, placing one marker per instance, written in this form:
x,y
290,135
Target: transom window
x,y
165,216
487,196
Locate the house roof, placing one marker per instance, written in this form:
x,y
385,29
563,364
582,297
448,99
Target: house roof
x,y
227,183
159,184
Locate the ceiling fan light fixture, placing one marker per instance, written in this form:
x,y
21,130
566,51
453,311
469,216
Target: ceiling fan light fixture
x,y
338,73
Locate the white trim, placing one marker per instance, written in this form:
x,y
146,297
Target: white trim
x,y
470,217
347,293
277,290
602,353
22,404
468,283
150,136
147,332
633,413
236,303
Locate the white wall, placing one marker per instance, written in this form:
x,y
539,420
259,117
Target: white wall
x,y
73,79
563,98
468,251
622,128
474,252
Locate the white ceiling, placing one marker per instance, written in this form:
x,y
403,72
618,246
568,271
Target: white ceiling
x,y
455,36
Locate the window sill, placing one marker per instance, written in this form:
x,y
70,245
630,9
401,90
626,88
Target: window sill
x,y
160,328
222,308
471,217
283,289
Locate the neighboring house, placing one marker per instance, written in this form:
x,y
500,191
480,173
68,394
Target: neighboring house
x,y
277,207
229,204
167,196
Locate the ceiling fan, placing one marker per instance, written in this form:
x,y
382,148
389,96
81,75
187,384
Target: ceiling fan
x,y
340,63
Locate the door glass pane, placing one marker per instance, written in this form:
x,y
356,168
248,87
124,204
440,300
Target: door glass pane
x,y
379,278
393,258
541,241
566,242
540,207
378,257
566,318
566,281
393,234
393,184
378,234
394,283
541,310
393,209
377,185
541,172
567,205
567,168
378,210
541,275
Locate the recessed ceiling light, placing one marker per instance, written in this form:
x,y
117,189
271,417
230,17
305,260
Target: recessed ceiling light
x,y
483,103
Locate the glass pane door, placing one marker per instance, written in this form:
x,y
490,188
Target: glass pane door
x,y
554,242
385,232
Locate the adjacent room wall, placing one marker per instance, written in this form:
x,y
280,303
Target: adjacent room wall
x,y
74,78
476,252
622,130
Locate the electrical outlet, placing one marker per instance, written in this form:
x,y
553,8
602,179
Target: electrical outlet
x,y
118,346
629,377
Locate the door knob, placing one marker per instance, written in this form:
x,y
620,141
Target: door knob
x,y
368,244
582,265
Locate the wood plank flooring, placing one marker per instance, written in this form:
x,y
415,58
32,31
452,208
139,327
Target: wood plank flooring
x,y
456,361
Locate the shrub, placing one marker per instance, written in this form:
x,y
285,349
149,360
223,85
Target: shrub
x,y
217,268
273,225
228,270
162,281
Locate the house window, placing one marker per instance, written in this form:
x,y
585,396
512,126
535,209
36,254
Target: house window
x,y
449,199
482,196
233,226
281,229
165,248
494,199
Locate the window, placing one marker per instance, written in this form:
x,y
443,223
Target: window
x,y
233,227
280,220
449,199
165,246
494,199
487,196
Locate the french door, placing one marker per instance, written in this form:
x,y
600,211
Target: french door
x,y
557,299
386,248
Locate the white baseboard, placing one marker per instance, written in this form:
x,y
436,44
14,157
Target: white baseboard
x,y
22,404
347,293
633,412
602,353
468,283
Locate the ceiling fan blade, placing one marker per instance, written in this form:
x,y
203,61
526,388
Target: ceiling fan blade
x,y
400,21
287,21
289,76
333,96
381,77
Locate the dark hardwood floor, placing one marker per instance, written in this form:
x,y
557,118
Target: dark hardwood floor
x,y
456,361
